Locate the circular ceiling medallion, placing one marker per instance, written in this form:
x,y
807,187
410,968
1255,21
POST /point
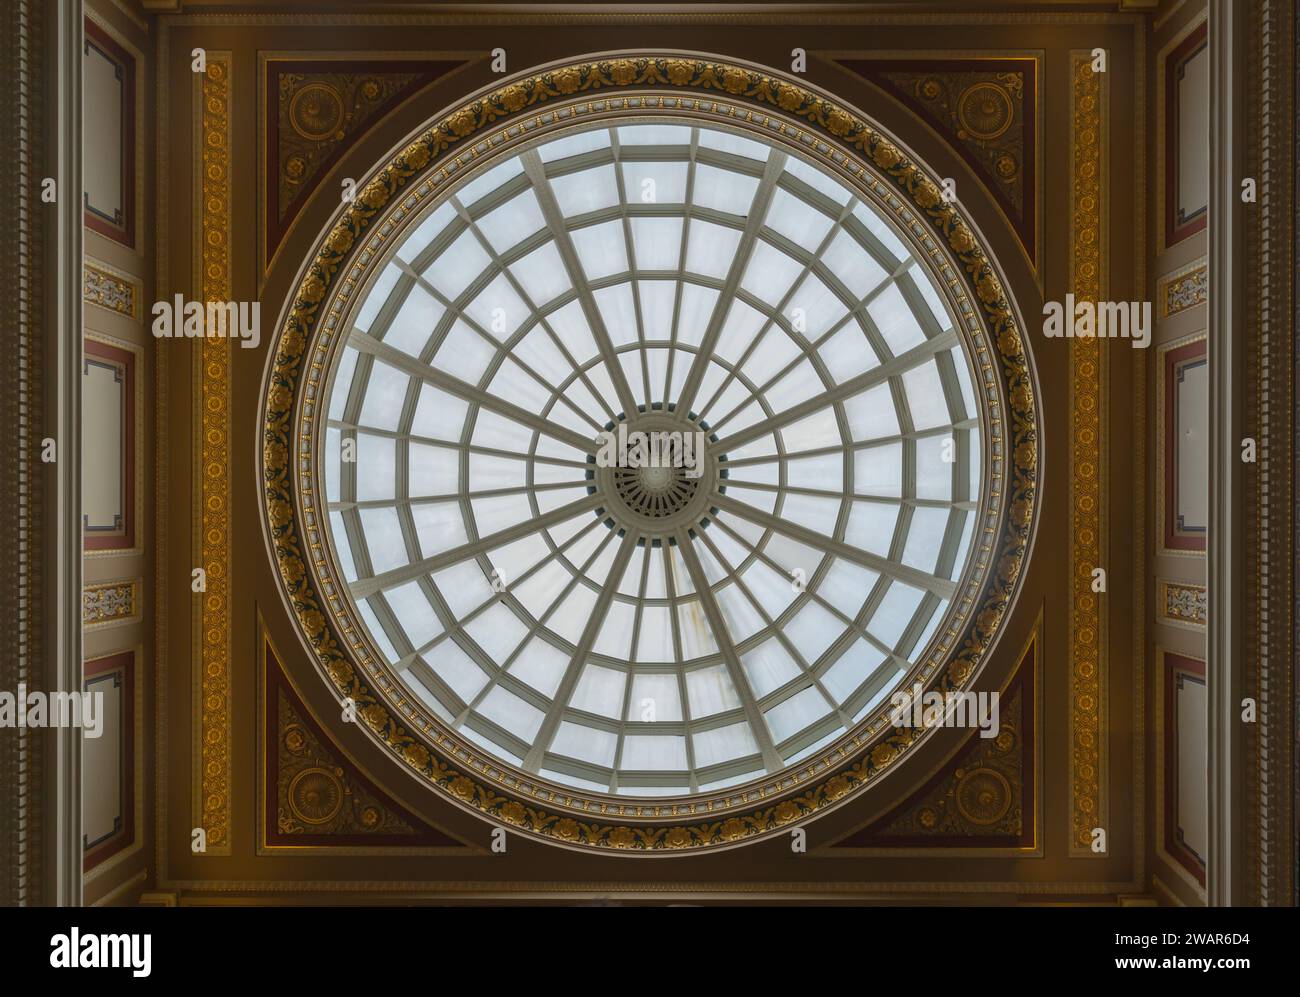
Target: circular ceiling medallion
x,y
983,796
316,111
985,111
315,795
645,458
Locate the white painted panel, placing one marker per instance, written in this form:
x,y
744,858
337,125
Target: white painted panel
x,y
1190,702
101,761
1193,135
1191,425
102,135
102,435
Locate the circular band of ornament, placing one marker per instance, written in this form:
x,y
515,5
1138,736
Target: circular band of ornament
x,y
680,85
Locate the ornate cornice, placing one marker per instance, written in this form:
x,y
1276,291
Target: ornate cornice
x,y
656,84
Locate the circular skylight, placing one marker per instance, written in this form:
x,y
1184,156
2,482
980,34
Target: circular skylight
x,y
795,475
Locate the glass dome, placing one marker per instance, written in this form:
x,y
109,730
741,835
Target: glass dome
x,y
667,630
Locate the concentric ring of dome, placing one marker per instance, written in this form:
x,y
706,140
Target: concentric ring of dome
x,y
598,278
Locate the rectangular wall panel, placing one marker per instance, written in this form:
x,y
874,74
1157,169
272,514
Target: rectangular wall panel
x,y
1183,459
108,122
108,454
1187,162
1184,748
108,761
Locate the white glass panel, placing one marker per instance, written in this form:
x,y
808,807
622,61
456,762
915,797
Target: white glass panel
x,y
656,639
710,690
376,464
587,744
343,548
571,326
657,299
497,631
696,308
847,353
457,669
724,190
814,308
497,309
937,308
871,414
894,613
881,230
857,664
735,144
458,265
768,667
513,222
377,296
933,473
385,395
377,631
814,512
439,526
817,180
657,243
342,383
486,183
413,611
879,470
427,231
413,324
601,249
540,666
334,462
697,635
510,712
439,415
542,274
574,145
797,220
846,258
925,397
599,690
655,698
572,614
654,182
463,587
723,744
812,630
847,585
464,353
770,272
796,713
383,535
871,526
710,249
654,135
589,190
650,752
618,311
894,319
